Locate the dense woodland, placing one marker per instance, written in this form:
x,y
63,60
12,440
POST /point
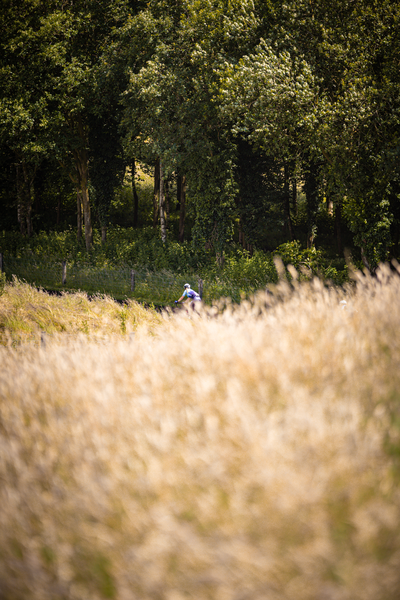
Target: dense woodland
x,y
258,122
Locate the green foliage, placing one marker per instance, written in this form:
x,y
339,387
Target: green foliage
x,y
370,221
247,100
281,92
311,262
292,253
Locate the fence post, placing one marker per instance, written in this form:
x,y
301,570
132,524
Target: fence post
x,y
64,272
132,280
201,288
1,262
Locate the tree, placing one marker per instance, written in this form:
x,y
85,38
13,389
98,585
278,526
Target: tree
x,y
51,53
171,110
106,164
352,49
240,102
272,101
323,92
22,112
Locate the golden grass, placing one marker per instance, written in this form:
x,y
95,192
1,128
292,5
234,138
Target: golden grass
x,y
252,454
26,313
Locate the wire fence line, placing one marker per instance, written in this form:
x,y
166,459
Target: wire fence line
x,y
141,284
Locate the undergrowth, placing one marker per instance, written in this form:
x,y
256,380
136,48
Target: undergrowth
x,y
106,268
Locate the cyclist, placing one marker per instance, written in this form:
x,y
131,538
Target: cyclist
x,y
189,294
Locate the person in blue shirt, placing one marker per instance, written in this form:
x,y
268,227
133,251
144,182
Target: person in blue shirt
x,y
190,295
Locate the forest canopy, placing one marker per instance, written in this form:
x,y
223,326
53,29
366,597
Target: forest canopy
x,y
259,122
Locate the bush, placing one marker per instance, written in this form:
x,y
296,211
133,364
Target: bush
x,y
311,261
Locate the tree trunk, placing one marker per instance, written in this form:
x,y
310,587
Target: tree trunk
x,y
294,195
242,240
311,191
181,193
87,219
135,196
338,226
79,223
241,234
28,180
81,163
156,194
286,193
24,196
20,201
167,200
163,225
220,259
81,180
365,261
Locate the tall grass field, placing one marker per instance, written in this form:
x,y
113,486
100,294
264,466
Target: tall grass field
x,y
244,452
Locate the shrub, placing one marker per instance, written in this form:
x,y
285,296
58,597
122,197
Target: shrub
x,y
311,261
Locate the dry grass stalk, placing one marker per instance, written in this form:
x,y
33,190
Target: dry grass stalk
x,y
26,312
254,455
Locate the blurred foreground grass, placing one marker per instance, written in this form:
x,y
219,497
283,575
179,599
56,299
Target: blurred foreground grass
x,y
250,453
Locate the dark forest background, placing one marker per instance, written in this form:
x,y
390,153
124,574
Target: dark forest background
x,y
216,126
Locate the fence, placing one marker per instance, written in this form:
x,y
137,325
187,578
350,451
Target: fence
x,y
159,288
